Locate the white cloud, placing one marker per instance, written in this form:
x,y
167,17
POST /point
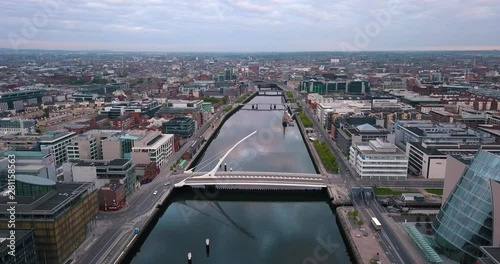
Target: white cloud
x,y
253,25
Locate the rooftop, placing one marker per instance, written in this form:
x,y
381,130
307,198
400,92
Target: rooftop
x,y
34,180
428,151
51,137
367,128
93,163
48,203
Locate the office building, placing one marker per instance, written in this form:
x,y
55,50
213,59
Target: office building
x,y
425,162
16,142
378,159
102,172
424,131
191,104
16,100
56,143
182,126
347,135
327,87
9,126
153,147
146,107
62,214
470,215
34,163
25,247
82,147
119,145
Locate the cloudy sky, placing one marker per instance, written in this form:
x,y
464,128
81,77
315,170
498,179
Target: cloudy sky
x,y
250,25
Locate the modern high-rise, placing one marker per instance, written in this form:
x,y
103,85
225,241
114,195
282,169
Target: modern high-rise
x,y
470,215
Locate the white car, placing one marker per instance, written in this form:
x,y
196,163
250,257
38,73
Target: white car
x,y
155,192
167,183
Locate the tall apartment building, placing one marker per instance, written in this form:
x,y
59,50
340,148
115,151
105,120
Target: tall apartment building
x,y
378,159
61,214
56,142
153,147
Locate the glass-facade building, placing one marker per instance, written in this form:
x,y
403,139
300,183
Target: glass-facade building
x,y
182,126
465,221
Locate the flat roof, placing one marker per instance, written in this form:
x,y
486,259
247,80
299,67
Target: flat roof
x,y
52,137
24,153
35,180
428,151
158,142
48,203
93,163
417,131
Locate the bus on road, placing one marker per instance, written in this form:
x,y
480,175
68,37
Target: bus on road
x,y
376,224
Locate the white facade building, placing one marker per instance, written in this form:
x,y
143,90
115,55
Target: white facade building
x,y
56,143
153,147
377,159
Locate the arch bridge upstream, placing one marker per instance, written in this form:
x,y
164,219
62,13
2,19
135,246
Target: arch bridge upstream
x,y
251,180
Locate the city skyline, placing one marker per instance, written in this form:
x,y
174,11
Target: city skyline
x,y
256,26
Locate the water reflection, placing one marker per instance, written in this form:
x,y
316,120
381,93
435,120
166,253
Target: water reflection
x,y
272,149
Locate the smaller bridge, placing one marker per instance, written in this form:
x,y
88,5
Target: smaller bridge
x,y
264,106
272,93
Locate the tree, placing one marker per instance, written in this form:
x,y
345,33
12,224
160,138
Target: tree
x,y
360,222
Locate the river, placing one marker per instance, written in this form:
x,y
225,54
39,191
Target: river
x,y
247,227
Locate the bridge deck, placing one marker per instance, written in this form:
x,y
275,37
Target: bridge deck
x,y
258,179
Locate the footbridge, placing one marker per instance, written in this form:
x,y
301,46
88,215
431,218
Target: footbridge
x,y
271,92
250,179
264,106
256,180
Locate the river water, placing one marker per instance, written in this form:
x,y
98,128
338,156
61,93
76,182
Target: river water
x,y
249,227
271,149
